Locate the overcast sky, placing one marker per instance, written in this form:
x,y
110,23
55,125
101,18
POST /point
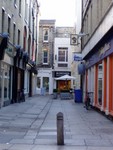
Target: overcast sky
x,y
63,11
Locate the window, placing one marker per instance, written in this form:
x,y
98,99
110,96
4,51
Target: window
x,y
45,57
18,37
45,35
100,79
29,44
15,3
63,54
14,33
63,57
9,25
26,10
20,6
3,19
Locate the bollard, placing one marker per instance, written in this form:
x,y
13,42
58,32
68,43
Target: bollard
x,y
60,129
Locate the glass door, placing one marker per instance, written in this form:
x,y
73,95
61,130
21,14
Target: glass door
x,y
46,84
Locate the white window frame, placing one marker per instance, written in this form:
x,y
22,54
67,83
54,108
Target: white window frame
x,y
64,49
45,57
44,31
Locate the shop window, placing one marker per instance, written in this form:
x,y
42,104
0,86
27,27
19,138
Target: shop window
x,y
100,79
26,82
7,83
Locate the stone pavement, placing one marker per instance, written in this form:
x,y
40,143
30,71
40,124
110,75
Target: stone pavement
x,y
31,125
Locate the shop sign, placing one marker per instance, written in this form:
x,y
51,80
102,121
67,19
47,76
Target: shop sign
x,y
105,48
100,54
61,73
77,58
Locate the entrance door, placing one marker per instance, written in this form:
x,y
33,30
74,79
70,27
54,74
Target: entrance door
x,y
64,85
46,84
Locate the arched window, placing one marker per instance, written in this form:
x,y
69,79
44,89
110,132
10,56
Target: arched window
x,y
45,35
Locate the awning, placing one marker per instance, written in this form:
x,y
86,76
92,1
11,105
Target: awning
x,y
65,77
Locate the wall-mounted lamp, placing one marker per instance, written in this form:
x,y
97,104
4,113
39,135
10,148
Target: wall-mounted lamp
x,y
82,34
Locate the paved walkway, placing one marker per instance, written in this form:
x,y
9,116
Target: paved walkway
x,y
31,125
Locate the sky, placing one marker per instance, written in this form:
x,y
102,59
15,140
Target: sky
x,y
63,11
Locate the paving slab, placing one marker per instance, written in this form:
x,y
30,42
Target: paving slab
x,y
32,126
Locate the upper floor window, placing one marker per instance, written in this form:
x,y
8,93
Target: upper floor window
x,y
15,3
62,57
45,35
63,54
14,33
18,40
26,10
20,2
9,25
3,19
45,57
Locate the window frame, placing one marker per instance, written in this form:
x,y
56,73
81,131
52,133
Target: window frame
x,y
9,25
3,19
45,57
20,7
65,50
46,36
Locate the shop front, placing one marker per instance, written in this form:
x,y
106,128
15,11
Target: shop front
x,y
62,84
6,69
99,76
20,72
44,81
5,84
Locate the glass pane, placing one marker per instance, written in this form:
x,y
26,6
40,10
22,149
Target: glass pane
x,y
66,56
5,88
6,85
46,35
61,56
100,78
46,83
45,57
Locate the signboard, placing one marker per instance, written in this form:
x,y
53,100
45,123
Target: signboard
x,y
61,73
77,58
73,39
